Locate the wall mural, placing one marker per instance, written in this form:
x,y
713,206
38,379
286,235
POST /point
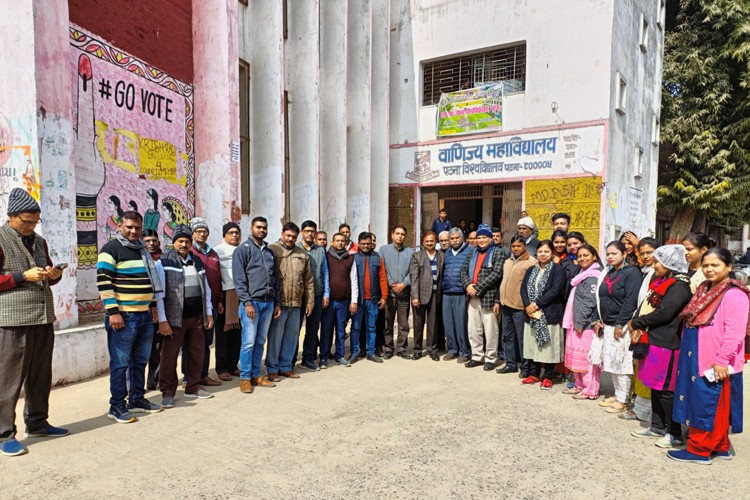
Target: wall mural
x,y
133,150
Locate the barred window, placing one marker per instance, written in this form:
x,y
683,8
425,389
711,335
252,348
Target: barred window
x,y
507,65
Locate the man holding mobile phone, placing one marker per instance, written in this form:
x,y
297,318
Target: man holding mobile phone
x,y
27,313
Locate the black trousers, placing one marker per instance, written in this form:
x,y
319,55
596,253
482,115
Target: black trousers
x,y
152,381
25,362
228,345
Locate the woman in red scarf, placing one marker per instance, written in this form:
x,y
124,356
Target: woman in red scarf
x,y
708,396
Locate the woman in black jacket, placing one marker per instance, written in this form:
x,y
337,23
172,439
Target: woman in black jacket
x,y
543,293
655,332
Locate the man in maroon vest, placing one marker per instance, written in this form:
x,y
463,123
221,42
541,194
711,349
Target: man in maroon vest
x,y
342,272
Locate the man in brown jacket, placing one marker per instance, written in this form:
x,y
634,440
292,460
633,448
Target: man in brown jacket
x,y
513,315
426,274
296,290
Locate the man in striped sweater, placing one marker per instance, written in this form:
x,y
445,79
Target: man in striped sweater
x,y
127,280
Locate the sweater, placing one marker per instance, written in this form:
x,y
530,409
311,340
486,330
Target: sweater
x,y
664,322
212,264
343,276
553,295
397,266
122,279
618,294
225,251
723,341
514,270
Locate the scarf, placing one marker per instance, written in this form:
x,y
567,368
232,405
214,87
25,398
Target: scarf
x,y
231,311
535,290
148,261
339,254
592,272
487,260
657,289
702,307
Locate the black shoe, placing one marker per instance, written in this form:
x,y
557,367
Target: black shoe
x,y
417,355
489,366
450,357
375,358
353,359
473,364
506,369
523,374
462,360
388,355
362,354
435,356
403,355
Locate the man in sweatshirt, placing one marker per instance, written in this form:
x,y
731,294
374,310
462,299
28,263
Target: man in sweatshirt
x,y
481,275
454,298
342,272
256,280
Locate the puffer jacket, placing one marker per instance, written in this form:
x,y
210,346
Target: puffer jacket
x,y
295,275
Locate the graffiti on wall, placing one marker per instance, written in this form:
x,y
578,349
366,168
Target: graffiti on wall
x,y
18,167
133,150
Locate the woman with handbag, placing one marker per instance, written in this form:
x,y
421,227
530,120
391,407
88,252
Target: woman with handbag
x,y
655,336
708,394
617,297
579,319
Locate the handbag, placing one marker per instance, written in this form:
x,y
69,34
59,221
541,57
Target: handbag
x,y
596,351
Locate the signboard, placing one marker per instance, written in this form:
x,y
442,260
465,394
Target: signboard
x,y
579,197
575,151
469,111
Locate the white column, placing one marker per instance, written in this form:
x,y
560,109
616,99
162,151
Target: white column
x,y
358,113
266,117
301,66
379,119
487,206
745,237
333,178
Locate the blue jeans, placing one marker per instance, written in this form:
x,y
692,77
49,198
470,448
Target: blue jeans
x,y
367,311
129,350
513,320
455,322
282,340
335,315
254,332
312,325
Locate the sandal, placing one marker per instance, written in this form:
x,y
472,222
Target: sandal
x,y
630,415
581,396
607,402
571,390
617,409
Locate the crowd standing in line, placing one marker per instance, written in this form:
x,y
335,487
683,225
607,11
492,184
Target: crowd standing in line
x,y
666,322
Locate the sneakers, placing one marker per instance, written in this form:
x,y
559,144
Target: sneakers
x,y
530,380
201,394
342,362
647,433
121,415
546,384
324,365
143,405
686,456
723,455
12,448
375,358
667,441
310,366
167,402
49,431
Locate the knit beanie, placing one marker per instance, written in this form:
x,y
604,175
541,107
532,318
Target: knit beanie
x,y
229,226
672,257
484,230
20,201
528,222
198,223
182,231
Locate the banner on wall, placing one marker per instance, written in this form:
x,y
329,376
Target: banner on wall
x,y
497,159
479,109
578,197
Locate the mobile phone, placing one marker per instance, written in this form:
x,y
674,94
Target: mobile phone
x,y
61,265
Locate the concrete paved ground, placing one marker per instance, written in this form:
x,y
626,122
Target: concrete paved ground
x,y
403,429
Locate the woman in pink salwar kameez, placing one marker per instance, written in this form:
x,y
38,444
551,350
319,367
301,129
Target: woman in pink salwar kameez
x,y
580,316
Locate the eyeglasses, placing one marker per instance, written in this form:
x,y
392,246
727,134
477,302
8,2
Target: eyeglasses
x,y
201,231
29,222
233,232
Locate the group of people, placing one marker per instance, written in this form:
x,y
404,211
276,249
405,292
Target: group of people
x,y
666,322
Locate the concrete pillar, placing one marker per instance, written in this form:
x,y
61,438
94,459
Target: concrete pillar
x,y
216,102
745,237
358,113
266,114
379,169
487,205
333,115
55,138
302,66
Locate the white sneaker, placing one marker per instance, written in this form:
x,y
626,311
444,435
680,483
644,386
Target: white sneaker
x,y
201,394
668,441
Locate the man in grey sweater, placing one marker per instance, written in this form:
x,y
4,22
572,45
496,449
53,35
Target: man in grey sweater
x,y
396,257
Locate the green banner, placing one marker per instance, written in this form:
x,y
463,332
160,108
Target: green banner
x,y
479,109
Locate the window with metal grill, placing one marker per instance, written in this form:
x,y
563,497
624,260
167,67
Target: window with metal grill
x,y
506,64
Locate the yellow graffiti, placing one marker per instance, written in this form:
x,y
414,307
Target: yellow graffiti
x,y
579,197
157,159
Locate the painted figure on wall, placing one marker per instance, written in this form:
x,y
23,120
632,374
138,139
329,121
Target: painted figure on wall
x,y
114,218
174,215
151,217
